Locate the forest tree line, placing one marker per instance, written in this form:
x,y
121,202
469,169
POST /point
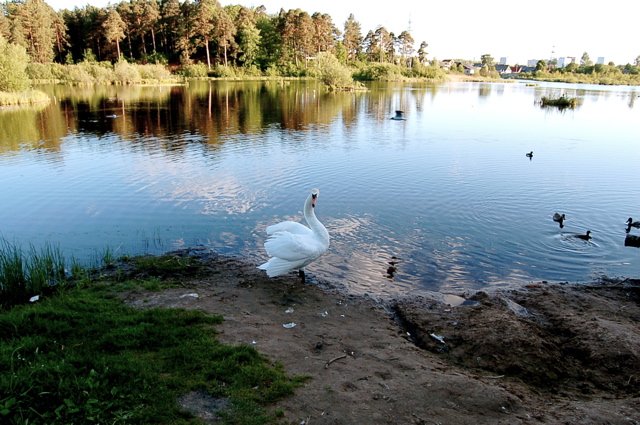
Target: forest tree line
x,y
181,32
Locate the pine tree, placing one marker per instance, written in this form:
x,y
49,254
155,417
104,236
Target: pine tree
x,y
114,28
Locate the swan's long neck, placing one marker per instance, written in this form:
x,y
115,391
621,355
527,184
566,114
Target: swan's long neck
x,y
315,225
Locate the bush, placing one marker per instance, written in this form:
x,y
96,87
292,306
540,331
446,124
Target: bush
x,y
40,71
379,72
155,72
78,74
198,70
13,65
126,73
333,73
422,71
221,71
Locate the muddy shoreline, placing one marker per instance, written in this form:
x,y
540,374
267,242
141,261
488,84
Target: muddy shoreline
x,y
541,353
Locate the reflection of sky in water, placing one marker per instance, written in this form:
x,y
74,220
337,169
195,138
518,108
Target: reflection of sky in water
x,y
445,199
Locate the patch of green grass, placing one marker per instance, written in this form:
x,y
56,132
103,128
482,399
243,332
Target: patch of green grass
x,y
83,357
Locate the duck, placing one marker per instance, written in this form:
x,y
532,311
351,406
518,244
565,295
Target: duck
x,y
530,155
585,237
293,245
399,116
631,223
632,240
559,219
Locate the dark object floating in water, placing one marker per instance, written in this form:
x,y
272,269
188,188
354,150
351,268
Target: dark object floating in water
x,y
530,155
585,237
632,223
559,219
561,102
632,240
399,116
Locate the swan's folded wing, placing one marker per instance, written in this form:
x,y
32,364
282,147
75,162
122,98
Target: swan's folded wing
x,y
293,247
289,226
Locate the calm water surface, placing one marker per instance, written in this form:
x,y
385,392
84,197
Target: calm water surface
x,y
446,198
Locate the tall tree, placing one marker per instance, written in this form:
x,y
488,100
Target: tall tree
x,y
5,24
422,52
127,15
205,22
405,45
352,38
151,19
187,31
486,59
114,28
270,50
585,60
33,27
225,31
324,34
169,25
384,44
248,37
297,35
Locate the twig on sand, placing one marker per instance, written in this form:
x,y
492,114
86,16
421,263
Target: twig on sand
x,y
333,360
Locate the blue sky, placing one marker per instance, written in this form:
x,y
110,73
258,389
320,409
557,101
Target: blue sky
x,y
468,29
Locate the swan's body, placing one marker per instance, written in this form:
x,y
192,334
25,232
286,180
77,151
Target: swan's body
x,y
292,245
632,223
585,237
559,219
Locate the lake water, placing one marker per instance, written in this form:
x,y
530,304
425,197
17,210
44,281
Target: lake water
x,y
445,200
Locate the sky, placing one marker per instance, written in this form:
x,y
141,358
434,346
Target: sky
x,y
468,29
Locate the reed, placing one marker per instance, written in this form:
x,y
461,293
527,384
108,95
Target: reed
x,y
27,97
27,274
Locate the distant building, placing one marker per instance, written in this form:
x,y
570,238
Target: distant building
x,y
503,69
532,62
503,60
600,60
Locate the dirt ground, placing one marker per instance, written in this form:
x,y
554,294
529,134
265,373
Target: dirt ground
x,y
542,353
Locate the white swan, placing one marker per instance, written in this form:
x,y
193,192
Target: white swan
x,y
292,245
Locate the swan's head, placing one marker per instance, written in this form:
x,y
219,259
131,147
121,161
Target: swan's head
x,y
314,196
630,220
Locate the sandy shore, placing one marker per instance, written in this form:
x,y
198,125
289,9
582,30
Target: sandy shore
x,y
538,354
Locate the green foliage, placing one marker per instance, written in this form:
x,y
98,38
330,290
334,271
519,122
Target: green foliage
x,y
561,102
156,72
198,70
13,65
379,72
84,357
24,275
333,73
126,73
431,72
